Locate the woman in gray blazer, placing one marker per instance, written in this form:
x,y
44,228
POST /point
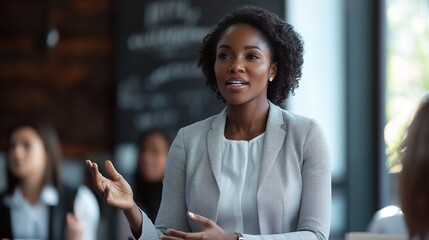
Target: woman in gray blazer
x,y
254,171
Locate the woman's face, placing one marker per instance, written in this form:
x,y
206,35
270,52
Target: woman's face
x,y
27,155
243,65
153,156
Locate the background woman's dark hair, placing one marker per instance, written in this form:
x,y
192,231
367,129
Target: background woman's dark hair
x,y
285,44
414,178
52,147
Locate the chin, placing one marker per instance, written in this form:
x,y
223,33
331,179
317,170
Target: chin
x,y
235,99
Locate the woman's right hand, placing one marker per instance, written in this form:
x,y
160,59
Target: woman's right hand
x,y
116,192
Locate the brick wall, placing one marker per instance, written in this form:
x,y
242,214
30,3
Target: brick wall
x,y
70,85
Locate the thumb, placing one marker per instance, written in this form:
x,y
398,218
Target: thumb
x,y
111,170
200,219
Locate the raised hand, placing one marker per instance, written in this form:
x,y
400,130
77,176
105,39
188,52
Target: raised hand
x,y
115,191
211,231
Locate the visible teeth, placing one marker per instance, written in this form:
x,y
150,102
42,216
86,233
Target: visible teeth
x,y
236,83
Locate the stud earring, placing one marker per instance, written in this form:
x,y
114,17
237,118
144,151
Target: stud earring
x,y
271,79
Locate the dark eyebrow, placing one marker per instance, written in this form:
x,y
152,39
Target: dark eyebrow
x,y
224,46
252,47
245,47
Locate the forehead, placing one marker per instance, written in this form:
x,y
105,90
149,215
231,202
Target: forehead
x,y
242,34
24,132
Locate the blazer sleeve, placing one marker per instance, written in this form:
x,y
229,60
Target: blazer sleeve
x,y
315,211
173,211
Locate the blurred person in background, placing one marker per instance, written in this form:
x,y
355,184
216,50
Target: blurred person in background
x,y
153,146
153,150
412,219
36,204
414,177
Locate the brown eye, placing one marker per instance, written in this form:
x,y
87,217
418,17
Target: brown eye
x,y
26,145
223,56
252,57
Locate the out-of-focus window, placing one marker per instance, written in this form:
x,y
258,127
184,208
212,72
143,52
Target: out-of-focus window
x,y
407,69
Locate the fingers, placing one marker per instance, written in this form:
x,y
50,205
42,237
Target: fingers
x,y
176,234
108,198
97,179
200,219
111,170
94,169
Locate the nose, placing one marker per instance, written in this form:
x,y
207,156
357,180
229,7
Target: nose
x,y
237,66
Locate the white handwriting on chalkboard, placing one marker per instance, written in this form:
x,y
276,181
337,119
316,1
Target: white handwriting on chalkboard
x,y
135,94
159,12
171,37
172,72
162,117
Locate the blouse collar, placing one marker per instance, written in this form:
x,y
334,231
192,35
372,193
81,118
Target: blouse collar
x,y
49,196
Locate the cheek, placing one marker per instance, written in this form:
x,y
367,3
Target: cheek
x,y
260,71
38,157
220,69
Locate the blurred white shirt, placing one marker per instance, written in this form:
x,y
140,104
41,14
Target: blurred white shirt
x,y
388,220
31,221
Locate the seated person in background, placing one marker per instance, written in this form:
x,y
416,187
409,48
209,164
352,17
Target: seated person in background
x,y
153,150
413,219
414,178
36,204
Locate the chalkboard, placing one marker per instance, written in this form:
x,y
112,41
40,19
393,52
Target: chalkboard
x,y
158,82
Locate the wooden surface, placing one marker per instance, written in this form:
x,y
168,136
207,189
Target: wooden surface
x,y
70,85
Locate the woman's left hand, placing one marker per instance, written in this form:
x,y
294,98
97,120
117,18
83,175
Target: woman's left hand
x,y
211,231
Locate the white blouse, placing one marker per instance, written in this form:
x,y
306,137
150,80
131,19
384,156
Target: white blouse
x,y
31,221
241,164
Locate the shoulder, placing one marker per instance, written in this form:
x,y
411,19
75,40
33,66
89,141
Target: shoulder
x,y
300,126
305,133
296,120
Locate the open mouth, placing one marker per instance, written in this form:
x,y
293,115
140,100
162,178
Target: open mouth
x,y
236,82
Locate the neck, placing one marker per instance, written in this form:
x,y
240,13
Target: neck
x,y
246,121
32,189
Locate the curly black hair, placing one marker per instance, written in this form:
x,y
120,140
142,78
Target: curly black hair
x,y
286,46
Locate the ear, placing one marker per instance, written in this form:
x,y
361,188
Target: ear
x,y
273,69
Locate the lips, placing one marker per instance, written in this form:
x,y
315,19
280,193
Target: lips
x,y
236,82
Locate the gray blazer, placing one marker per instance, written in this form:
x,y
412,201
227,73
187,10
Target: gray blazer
x,y
294,190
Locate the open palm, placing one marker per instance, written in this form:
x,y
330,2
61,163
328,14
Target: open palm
x,y
115,191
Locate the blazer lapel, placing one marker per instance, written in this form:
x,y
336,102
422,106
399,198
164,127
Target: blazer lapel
x,y
214,144
274,138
